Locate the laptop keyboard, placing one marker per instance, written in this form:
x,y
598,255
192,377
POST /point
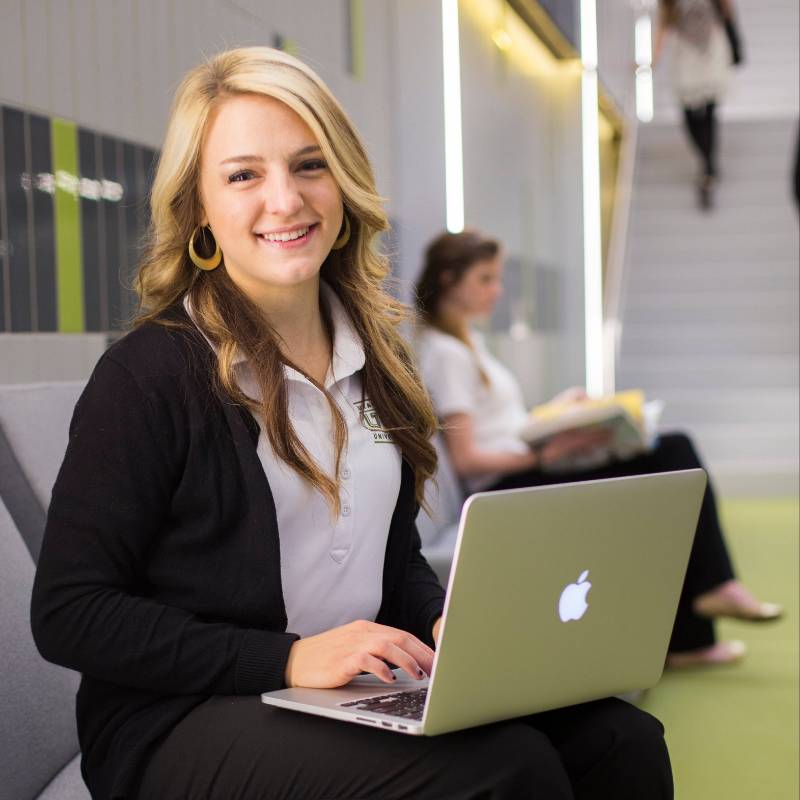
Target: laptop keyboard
x,y
409,705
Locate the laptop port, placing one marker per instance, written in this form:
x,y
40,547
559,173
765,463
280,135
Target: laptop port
x,y
386,724
367,719
403,727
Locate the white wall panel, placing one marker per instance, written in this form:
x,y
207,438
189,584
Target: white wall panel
x,y
36,56
111,80
522,184
615,50
63,76
11,53
154,69
86,64
418,111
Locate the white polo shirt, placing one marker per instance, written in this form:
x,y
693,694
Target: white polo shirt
x,y
331,570
450,372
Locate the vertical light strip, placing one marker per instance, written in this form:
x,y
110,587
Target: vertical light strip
x,y
592,237
644,67
453,152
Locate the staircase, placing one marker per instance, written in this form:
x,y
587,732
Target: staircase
x,y
710,302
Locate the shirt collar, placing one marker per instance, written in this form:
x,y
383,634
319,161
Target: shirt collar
x,y
348,350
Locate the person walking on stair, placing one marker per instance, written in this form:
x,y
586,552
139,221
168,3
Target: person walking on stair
x,y
706,44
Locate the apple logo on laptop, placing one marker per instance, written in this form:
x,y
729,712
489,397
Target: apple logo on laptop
x,y
572,604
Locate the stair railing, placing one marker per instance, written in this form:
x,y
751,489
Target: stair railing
x,y
615,272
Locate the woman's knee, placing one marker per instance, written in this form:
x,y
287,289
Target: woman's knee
x,y
679,449
639,744
511,760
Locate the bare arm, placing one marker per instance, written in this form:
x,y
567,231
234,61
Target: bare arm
x,y
662,26
469,460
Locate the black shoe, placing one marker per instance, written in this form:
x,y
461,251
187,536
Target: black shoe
x,y
705,193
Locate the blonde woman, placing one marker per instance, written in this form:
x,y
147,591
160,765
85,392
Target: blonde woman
x,y
235,511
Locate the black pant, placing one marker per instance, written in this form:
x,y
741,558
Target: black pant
x,y
709,562
236,748
701,124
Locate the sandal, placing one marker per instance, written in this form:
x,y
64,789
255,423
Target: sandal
x,y
718,654
732,599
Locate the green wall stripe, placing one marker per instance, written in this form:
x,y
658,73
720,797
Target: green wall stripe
x,y
69,256
357,37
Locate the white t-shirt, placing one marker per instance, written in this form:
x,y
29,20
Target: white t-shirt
x,y
331,569
450,371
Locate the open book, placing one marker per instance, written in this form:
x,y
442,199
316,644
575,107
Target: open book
x,y
632,421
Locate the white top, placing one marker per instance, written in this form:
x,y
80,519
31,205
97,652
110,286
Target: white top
x,y
450,371
331,570
701,61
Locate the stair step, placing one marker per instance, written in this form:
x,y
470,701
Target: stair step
x,y
744,442
699,249
733,308
717,279
698,407
721,339
710,310
717,374
776,217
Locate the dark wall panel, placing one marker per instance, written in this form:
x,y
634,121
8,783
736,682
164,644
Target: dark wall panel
x,y
17,218
94,294
43,223
129,204
114,244
114,180
566,15
3,234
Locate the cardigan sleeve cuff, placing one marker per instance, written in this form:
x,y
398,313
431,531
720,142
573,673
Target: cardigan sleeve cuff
x,y
262,659
432,611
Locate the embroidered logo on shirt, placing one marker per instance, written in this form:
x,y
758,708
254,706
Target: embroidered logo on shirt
x,y
371,421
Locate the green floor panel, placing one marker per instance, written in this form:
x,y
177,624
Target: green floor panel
x,y
733,731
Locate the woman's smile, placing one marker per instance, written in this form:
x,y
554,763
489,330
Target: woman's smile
x,y
289,239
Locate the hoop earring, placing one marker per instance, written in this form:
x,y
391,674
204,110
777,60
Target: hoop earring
x,y
206,264
344,238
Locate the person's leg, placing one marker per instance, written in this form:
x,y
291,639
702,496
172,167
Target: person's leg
x,y
699,124
709,563
236,748
610,748
711,139
694,122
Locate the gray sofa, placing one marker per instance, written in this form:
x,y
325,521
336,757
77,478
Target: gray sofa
x,y
40,755
439,529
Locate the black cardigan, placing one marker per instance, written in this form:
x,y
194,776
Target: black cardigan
x,y
159,577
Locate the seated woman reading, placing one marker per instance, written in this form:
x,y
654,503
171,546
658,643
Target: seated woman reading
x,y
225,522
480,405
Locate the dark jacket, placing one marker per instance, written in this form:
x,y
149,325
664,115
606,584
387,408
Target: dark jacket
x,y
159,577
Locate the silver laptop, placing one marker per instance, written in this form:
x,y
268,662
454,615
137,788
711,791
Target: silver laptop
x,y
557,595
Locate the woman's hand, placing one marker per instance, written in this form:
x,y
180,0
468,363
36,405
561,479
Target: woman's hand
x,y
575,394
569,443
335,657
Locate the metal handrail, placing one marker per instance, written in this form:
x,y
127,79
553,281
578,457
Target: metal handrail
x,y
617,254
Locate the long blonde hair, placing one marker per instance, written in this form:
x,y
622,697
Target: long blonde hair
x,y
355,272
